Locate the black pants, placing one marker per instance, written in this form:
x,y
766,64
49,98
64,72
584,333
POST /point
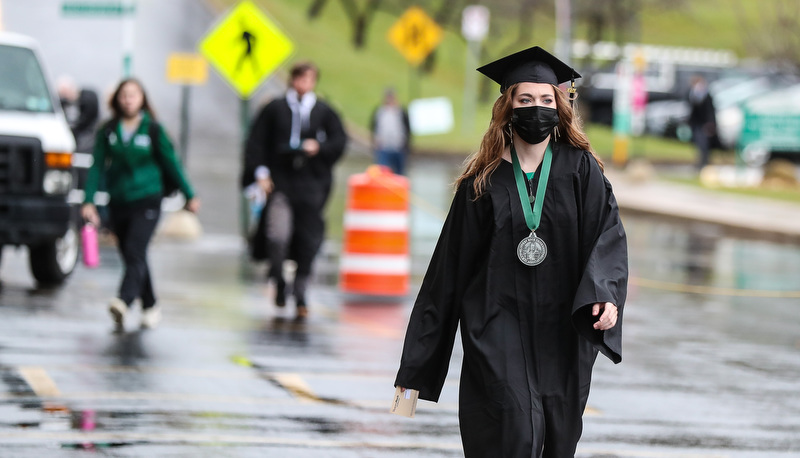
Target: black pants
x,y
702,141
134,226
294,229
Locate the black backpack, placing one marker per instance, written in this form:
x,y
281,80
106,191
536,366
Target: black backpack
x,y
168,184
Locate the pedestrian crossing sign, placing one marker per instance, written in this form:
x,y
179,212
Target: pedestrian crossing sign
x,y
245,47
415,35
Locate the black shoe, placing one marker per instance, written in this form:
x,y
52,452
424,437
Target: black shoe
x,y
280,293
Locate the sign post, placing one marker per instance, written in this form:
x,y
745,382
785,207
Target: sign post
x,y
475,28
622,112
415,35
122,9
245,47
186,70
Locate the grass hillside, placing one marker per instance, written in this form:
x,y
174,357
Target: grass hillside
x,y
353,79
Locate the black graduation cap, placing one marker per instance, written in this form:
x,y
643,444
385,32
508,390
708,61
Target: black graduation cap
x,y
532,65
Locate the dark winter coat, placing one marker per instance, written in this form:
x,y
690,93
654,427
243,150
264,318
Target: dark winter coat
x,y
306,181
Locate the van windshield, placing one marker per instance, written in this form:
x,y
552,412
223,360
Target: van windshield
x,y
22,84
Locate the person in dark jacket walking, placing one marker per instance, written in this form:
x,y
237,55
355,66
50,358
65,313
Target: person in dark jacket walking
x,y
82,111
702,119
532,262
293,145
134,170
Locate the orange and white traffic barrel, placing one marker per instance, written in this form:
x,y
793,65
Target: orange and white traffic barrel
x,y
375,256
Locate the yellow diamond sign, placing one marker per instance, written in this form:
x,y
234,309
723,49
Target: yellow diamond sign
x,y
415,35
245,47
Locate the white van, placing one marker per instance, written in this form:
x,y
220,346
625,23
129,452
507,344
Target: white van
x,y
36,172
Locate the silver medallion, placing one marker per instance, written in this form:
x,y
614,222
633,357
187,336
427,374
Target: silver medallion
x,y
532,250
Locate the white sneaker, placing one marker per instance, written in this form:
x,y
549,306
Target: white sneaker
x,y
118,310
151,317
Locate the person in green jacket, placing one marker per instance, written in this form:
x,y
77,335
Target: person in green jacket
x,y
134,173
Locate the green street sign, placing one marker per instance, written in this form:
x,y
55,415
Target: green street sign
x,y
88,8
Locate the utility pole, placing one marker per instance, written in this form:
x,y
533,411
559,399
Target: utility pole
x,y
564,30
128,9
474,28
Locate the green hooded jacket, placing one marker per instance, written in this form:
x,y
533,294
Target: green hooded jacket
x,y
132,172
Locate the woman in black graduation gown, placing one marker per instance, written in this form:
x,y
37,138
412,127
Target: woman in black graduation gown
x,y
538,291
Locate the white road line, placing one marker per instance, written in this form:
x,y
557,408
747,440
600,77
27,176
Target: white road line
x,y
26,436
39,381
201,438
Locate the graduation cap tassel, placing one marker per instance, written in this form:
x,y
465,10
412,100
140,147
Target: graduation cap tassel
x,y
573,93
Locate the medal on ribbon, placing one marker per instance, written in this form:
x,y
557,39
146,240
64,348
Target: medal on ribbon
x,y
532,250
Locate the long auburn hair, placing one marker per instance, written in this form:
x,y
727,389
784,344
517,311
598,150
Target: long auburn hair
x,y
116,109
482,163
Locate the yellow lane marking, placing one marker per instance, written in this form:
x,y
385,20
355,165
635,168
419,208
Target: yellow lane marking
x,y
646,454
211,373
41,383
241,361
712,290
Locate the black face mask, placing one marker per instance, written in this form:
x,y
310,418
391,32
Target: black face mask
x,y
534,124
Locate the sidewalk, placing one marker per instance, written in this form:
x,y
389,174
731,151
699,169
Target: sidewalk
x,y
750,216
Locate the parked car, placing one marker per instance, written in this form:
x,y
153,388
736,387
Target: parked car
x,y
670,118
664,82
770,127
36,173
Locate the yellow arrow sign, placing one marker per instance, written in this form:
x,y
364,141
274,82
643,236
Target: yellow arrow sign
x,y
246,47
415,35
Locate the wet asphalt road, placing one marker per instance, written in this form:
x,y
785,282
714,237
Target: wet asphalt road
x,y
711,369
228,374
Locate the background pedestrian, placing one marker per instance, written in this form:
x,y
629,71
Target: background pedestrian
x,y
391,133
293,145
702,119
82,109
138,161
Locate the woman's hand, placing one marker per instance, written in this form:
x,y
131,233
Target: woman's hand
x,y
90,215
193,205
609,317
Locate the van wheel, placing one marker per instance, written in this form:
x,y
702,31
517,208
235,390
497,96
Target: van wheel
x,y
52,262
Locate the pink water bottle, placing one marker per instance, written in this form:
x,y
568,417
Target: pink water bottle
x,y
91,250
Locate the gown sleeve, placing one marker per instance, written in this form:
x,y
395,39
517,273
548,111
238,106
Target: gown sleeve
x,y
604,249
434,319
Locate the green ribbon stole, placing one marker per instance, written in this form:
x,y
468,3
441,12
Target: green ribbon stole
x,y
533,216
